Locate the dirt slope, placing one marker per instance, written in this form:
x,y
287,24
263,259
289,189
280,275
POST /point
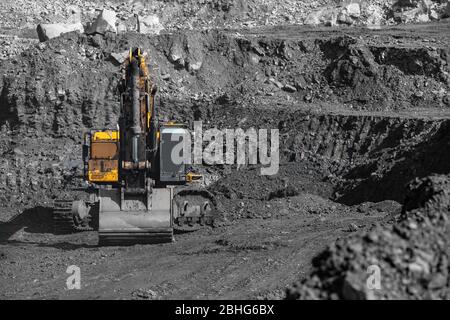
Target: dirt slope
x,y
412,254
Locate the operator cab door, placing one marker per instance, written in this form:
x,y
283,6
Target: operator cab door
x,y
170,170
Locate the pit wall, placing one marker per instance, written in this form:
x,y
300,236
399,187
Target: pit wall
x,y
69,84
372,157
365,157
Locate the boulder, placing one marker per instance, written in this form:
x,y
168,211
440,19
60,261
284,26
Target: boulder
x,y
353,10
349,13
49,31
149,24
374,15
122,27
422,18
193,66
289,88
407,16
326,16
176,56
120,57
434,15
105,22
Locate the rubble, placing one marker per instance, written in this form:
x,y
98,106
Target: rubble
x,y
420,11
13,46
221,14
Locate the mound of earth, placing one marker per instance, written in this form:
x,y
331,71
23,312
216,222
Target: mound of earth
x,y
411,255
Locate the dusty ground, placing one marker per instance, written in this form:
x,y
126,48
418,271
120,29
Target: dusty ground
x,y
250,258
361,113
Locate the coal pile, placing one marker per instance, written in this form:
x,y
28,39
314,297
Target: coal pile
x,y
412,254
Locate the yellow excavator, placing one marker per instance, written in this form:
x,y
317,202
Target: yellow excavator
x,y
136,193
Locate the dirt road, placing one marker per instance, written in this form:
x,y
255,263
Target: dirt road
x,y
249,258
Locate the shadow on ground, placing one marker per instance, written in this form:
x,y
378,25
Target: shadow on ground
x,y
66,246
431,156
33,220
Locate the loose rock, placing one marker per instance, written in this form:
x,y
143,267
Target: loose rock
x,y
49,31
105,22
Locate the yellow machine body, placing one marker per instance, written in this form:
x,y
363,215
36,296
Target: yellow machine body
x,y
103,164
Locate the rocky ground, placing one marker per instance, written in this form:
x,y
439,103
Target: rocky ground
x,y
363,110
18,19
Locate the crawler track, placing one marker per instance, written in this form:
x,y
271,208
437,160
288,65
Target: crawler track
x,y
63,221
194,209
